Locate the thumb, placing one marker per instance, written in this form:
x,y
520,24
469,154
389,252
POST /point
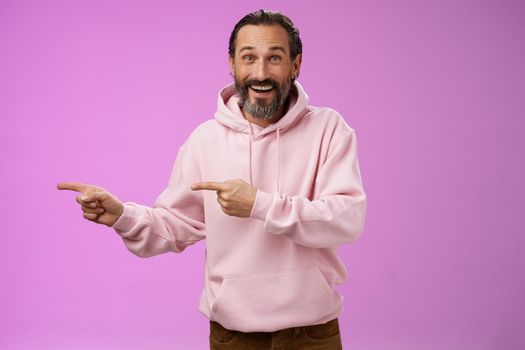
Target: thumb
x,y
94,196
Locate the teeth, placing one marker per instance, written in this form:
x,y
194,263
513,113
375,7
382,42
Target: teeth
x,y
264,88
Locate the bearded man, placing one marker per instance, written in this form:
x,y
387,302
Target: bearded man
x,y
273,185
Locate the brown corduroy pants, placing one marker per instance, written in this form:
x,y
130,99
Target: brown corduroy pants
x,y
317,337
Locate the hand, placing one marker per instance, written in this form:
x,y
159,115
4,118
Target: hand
x,y
97,204
236,197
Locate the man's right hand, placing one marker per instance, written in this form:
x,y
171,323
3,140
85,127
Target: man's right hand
x,y
97,204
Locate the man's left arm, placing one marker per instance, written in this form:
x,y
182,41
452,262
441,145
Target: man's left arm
x,y
337,213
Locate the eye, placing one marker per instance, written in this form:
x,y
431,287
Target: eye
x,y
247,58
275,59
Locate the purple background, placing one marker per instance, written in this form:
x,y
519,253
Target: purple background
x,y
104,92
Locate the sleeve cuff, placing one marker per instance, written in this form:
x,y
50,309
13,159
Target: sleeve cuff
x,y
126,221
261,206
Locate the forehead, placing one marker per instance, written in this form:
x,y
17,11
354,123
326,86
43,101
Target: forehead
x,y
262,37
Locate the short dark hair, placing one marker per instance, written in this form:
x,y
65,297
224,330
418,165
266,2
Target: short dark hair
x,y
268,17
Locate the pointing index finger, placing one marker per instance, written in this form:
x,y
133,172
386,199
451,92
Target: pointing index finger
x,y
74,186
213,186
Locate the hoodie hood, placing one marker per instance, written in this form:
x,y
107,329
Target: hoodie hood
x,y
230,115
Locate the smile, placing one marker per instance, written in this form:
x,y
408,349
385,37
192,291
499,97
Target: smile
x,y
261,88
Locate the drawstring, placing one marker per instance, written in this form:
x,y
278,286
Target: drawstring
x,y
250,154
278,157
278,161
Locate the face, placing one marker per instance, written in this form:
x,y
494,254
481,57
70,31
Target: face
x,y
263,69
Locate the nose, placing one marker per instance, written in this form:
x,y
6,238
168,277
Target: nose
x,y
261,70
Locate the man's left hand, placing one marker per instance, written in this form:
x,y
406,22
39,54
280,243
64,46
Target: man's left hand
x,y
236,197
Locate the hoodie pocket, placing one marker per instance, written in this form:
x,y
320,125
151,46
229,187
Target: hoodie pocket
x,y
270,301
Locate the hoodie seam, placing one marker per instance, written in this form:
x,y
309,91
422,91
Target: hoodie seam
x,y
273,272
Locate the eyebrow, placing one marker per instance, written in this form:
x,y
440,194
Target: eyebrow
x,y
273,48
277,48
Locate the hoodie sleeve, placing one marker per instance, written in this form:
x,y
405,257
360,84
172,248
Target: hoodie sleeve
x,y
176,220
337,213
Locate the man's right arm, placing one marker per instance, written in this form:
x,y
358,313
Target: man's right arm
x,y
175,222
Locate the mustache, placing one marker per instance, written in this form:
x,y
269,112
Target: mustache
x,y
247,83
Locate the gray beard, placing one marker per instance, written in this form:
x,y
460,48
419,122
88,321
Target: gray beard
x,y
259,109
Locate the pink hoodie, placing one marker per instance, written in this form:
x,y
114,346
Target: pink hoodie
x,y
277,268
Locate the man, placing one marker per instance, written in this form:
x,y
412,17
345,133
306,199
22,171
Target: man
x,y
274,187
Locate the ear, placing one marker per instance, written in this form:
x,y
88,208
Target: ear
x,y
230,60
296,64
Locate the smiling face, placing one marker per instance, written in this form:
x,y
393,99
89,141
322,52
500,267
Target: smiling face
x,y
263,70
